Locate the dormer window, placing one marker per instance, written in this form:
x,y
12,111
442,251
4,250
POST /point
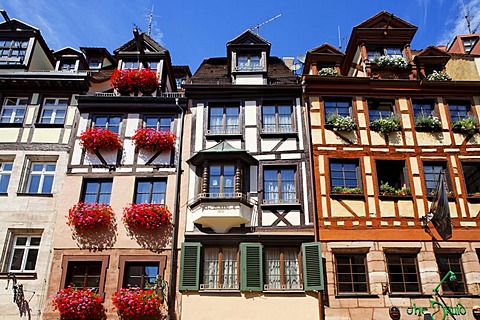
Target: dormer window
x,y
249,62
131,64
95,63
12,51
390,51
67,65
469,43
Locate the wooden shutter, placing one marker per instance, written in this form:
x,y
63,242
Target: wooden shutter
x,y
251,272
359,177
312,266
190,266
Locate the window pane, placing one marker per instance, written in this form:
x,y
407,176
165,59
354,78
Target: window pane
x,y
31,259
17,259
47,184
34,184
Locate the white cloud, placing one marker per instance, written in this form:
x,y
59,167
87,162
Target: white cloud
x,y
457,24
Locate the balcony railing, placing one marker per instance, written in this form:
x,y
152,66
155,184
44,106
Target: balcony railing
x,y
163,95
228,81
273,200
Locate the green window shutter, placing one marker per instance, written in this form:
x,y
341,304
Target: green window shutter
x,y
251,272
190,266
312,266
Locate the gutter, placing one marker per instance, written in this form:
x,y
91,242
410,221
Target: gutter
x,y
172,288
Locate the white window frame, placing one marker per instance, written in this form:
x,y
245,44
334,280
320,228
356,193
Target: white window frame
x,y
26,247
55,107
19,105
4,172
42,173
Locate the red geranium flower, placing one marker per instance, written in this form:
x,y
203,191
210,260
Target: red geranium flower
x,y
94,139
147,216
86,216
153,140
137,303
74,304
133,80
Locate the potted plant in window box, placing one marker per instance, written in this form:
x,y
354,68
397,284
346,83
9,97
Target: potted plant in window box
x,y
148,81
467,125
153,140
439,76
386,125
328,72
386,189
386,61
150,216
137,304
425,122
341,123
132,81
94,139
74,304
347,190
87,216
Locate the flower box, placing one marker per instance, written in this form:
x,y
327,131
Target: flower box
x,y
346,190
341,123
328,72
386,61
137,304
427,123
439,76
132,81
386,125
86,216
74,304
387,190
147,216
153,140
94,139
467,125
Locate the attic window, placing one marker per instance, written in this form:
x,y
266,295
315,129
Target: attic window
x,y
249,62
378,51
131,64
469,43
67,65
12,51
95,63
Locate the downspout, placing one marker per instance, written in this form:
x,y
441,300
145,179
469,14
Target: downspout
x,y
321,311
172,288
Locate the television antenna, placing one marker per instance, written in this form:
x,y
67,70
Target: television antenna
x,y
150,21
468,19
257,27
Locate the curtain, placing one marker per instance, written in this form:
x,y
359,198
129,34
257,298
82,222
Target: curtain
x,y
211,271
292,274
230,268
273,268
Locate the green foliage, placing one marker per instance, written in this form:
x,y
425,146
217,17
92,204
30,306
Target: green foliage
x,y
386,189
386,125
328,72
384,61
427,121
467,125
341,123
347,190
439,76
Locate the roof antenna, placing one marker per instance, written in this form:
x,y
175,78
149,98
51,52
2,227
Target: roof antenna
x,y
150,20
257,27
468,19
339,39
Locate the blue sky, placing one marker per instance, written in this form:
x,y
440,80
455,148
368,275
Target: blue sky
x,y
196,29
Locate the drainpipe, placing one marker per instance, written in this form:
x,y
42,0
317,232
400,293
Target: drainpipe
x,y
321,311
172,288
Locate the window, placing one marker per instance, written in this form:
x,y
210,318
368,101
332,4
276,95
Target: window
x,y
351,273
68,65
344,174
95,63
111,123
54,110
378,51
220,268
277,118
224,120
140,274
459,110
248,62
282,270
180,81
469,43
5,173
423,107
161,123
403,273
279,185
150,191
84,274
12,52
41,176
24,253
152,65
378,109
431,172
13,110
471,174
131,64
451,262
337,106
221,180
97,191
392,172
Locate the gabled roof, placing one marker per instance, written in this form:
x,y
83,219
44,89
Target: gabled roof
x,y
150,44
432,51
98,50
384,19
457,45
16,25
248,37
326,48
67,51
222,151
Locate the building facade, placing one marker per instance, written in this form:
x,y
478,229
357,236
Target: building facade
x,y
386,122
247,218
